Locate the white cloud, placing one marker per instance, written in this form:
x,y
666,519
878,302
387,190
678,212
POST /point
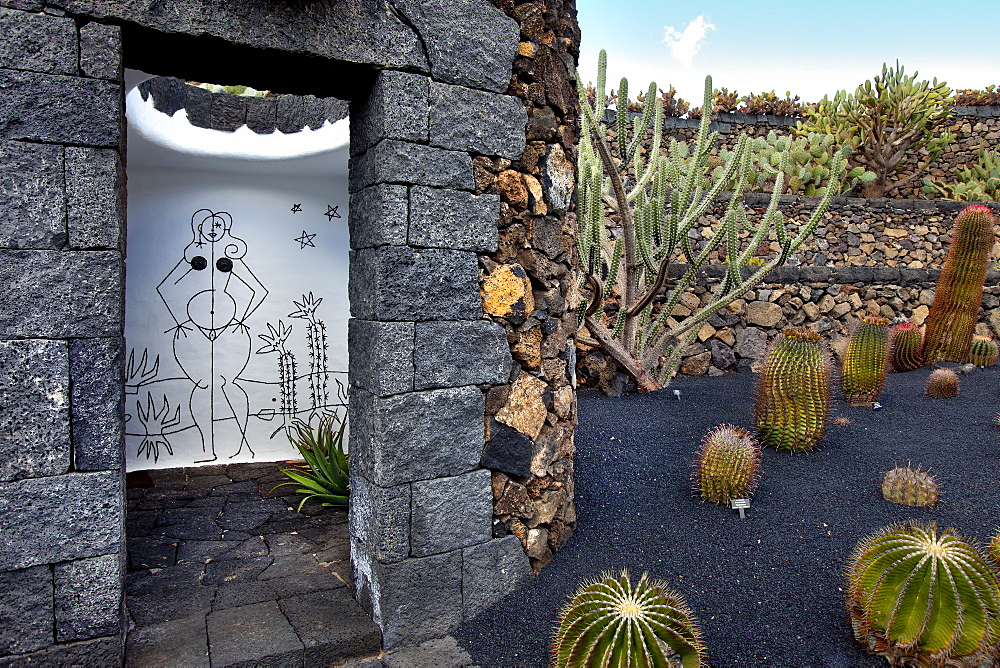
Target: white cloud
x,y
686,43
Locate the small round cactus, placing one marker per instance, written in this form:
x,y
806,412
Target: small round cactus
x,y
942,384
842,421
922,597
866,360
727,464
905,342
609,622
910,487
994,553
982,351
793,392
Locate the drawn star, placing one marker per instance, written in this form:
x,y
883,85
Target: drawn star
x,y
305,240
331,212
296,208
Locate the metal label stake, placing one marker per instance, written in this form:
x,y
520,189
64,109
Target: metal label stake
x,y
740,505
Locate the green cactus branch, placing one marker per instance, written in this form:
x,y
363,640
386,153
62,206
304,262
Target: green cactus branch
x,y
657,199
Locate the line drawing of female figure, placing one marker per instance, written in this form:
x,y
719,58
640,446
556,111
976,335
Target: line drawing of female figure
x,y
210,293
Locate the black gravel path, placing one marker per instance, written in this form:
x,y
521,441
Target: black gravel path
x,y
767,589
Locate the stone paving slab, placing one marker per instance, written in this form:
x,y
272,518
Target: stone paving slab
x,y
223,574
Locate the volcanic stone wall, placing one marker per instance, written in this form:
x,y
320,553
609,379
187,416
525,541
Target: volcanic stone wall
x,y
61,307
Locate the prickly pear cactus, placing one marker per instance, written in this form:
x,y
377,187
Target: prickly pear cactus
x,y
793,392
866,360
910,487
942,384
611,623
923,597
905,342
951,321
982,351
727,465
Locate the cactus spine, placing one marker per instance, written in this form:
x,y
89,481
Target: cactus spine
x,y
952,318
793,393
982,351
727,465
905,341
909,487
611,623
866,360
942,384
922,597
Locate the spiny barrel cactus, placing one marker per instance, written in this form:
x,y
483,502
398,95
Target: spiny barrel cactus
x,y
905,341
727,464
611,623
865,362
982,351
910,487
951,321
793,393
994,553
942,384
922,597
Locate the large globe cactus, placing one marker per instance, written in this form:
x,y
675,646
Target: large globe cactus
x,y
951,321
866,360
923,597
610,622
793,392
982,351
905,342
726,466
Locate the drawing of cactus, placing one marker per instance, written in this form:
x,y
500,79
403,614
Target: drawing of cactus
x,y
139,373
286,369
155,421
316,339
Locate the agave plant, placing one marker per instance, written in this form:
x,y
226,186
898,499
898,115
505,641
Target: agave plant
x,y
923,597
611,623
324,476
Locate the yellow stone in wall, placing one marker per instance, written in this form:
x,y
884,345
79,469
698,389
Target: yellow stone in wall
x,y
525,409
507,292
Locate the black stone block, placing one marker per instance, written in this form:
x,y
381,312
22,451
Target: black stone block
x,y
508,450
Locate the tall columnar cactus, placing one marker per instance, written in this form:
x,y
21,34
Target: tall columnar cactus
x,y
942,384
793,392
910,487
922,597
609,622
866,360
905,342
982,351
658,199
952,318
727,464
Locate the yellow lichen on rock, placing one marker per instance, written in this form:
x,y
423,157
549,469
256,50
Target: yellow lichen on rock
x,y
507,292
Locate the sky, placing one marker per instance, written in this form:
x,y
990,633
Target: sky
x,y
808,48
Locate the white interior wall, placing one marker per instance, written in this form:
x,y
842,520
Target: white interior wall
x,y
236,304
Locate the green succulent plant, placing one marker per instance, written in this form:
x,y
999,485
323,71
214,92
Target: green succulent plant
x,y
866,360
905,342
942,384
951,321
610,622
793,392
978,182
910,487
325,475
726,465
923,597
982,351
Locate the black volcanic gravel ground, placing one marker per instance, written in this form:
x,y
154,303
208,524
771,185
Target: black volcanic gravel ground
x,y
767,589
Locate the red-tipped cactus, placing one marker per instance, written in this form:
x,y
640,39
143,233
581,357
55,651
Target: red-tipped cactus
x,y
866,360
952,318
727,464
910,487
942,384
793,392
905,342
982,351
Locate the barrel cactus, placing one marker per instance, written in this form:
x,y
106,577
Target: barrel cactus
x,y
951,321
910,487
905,341
923,597
982,351
866,359
793,392
942,384
994,553
611,623
727,464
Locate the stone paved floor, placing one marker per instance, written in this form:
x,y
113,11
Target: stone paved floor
x,y
223,574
